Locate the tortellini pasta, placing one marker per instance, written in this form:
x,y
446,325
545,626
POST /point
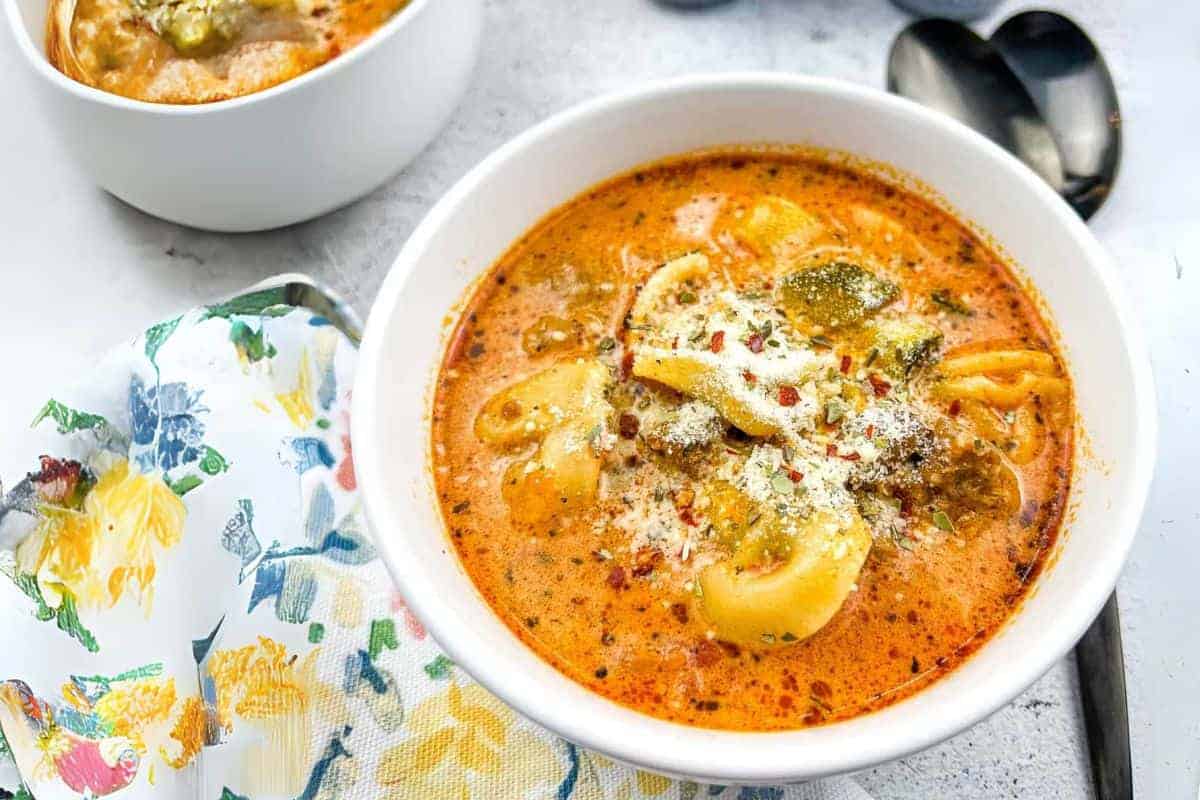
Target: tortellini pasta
x,y
705,374
528,410
780,229
562,476
996,390
796,598
564,409
661,285
699,375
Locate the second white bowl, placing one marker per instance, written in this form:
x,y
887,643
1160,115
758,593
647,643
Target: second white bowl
x,y
276,157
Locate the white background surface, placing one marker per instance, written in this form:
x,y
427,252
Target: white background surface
x,y
80,271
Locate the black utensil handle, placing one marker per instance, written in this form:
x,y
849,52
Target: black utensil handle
x,y
1101,663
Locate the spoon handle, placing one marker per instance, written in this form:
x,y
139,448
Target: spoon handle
x,y
1101,663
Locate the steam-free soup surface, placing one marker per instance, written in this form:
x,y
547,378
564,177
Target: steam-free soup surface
x,y
751,440
200,51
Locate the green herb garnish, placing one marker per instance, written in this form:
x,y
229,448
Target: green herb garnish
x,y
835,409
944,299
942,522
781,483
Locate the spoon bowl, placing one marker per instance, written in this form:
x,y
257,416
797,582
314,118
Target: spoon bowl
x,y
945,65
1069,83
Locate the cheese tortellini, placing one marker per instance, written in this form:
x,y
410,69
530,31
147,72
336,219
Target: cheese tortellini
x,y
564,409
999,391
779,229
708,374
699,376
659,288
795,599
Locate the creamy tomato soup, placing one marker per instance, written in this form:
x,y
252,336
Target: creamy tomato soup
x,y
199,51
752,440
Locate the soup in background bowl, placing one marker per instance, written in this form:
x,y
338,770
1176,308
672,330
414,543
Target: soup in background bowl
x,y
199,51
690,681
289,152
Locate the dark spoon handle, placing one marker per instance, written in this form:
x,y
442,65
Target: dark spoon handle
x,y
1101,663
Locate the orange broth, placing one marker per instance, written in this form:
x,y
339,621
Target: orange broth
x,y
583,588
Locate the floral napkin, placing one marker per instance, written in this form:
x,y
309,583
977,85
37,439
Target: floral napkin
x,y
193,607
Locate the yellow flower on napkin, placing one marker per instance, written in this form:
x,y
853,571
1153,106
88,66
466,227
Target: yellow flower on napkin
x,y
463,743
298,402
262,685
259,681
129,708
108,546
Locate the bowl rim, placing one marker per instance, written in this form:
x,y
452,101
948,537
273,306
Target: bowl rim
x,y
661,746
41,64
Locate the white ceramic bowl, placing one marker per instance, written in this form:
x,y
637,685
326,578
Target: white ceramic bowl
x,y
515,186
292,152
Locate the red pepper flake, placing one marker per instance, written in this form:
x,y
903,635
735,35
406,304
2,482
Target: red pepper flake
x,y
846,365
906,504
955,408
878,385
688,517
788,396
680,612
616,578
852,457
644,562
831,449
626,365
755,343
794,476
717,343
749,377
870,431
675,343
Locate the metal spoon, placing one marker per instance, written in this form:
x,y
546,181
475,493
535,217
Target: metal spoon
x,y
1073,90
1043,93
944,65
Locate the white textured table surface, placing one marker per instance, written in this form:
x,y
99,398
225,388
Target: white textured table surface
x,y
80,271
